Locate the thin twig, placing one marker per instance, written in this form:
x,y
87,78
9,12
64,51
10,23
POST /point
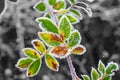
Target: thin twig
x,y
72,69
54,16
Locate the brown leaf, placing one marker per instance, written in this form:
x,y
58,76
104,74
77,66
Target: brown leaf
x,y
55,37
60,51
79,50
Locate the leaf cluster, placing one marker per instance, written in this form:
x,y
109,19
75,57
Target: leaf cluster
x,y
59,39
103,72
56,40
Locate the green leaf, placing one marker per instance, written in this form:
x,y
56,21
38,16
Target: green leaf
x,y
52,2
31,53
51,62
38,45
64,27
72,19
34,68
101,68
75,12
107,78
59,5
74,39
59,17
47,24
24,62
47,15
40,6
94,74
85,77
111,67
50,39
71,1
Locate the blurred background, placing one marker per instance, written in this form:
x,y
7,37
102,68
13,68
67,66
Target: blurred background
x,y
100,35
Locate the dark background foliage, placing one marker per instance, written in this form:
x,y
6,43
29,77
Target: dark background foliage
x,y
100,35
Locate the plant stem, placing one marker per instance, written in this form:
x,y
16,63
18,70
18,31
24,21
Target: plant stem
x,y
72,69
54,16
44,53
69,61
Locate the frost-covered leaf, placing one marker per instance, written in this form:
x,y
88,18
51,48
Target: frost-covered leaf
x,y
101,68
85,7
51,62
85,77
47,15
40,6
47,24
38,45
107,78
31,53
74,39
50,39
75,12
111,67
71,1
24,62
64,27
59,5
72,19
34,68
52,2
79,50
94,74
60,51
